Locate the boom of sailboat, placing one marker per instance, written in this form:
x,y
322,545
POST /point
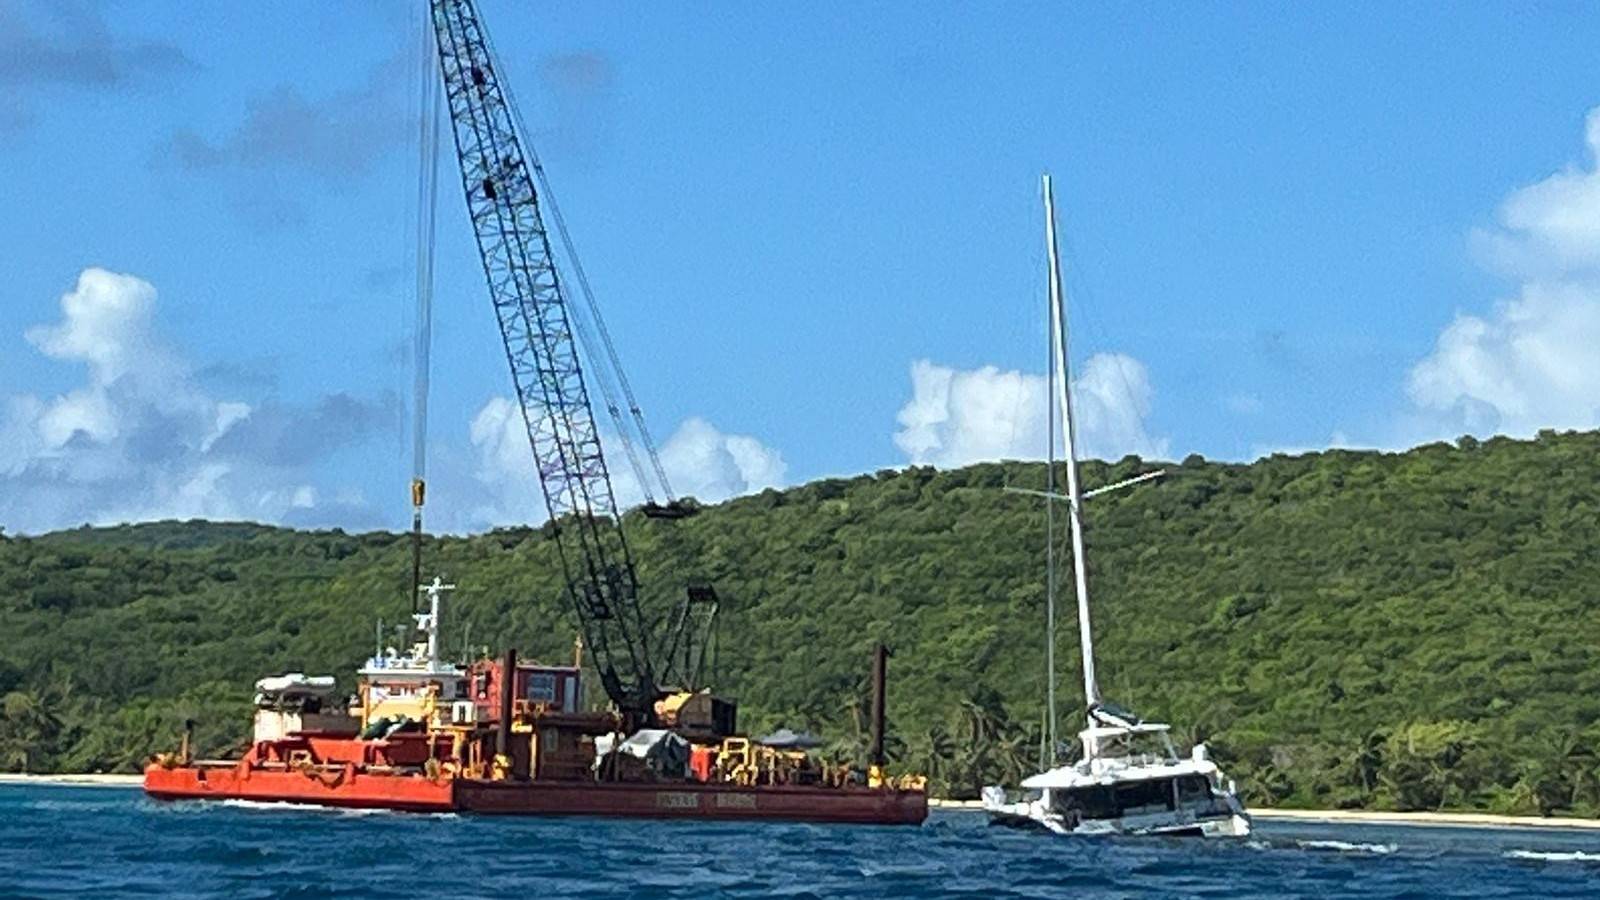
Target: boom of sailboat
x,y
1104,489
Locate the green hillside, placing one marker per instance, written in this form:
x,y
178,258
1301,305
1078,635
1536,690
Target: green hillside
x,y
1410,630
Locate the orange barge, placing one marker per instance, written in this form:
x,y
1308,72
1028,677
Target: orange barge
x,y
353,788
507,738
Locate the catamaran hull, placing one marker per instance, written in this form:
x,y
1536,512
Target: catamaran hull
x,y
1028,817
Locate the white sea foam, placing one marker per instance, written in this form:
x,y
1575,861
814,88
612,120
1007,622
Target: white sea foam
x,y
874,870
1554,855
1348,847
285,806
276,805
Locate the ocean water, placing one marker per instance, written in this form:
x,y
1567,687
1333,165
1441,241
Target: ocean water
x,y
113,841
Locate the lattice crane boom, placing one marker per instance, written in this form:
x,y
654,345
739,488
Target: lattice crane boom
x,y
530,304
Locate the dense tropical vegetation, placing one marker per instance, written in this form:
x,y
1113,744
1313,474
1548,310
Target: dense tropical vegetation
x,y
1347,629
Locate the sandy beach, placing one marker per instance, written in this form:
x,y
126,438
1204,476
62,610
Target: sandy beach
x,y
1462,819
84,780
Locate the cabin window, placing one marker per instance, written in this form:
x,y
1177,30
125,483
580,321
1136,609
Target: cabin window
x,y
1086,803
1144,794
542,687
1193,790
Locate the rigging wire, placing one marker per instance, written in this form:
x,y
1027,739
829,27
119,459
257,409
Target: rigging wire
x,y
610,363
429,114
1083,291
1018,335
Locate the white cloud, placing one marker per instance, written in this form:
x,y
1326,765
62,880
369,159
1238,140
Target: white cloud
x,y
1338,440
1532,362
505,487
1111,399
956,417
1552,227
143,438
706,464
700,460
105,323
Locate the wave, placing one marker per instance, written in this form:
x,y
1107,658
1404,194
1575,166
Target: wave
x,y
1348,847
899,869
285,806
1553,855
282,805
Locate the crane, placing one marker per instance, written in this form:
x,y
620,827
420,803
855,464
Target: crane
x,y
541,339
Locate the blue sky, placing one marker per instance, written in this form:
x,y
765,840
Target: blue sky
x,y
815,233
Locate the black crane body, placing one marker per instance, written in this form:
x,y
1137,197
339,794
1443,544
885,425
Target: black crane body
x,y
537,327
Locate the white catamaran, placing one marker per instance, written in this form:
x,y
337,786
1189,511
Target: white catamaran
x,y
1129,779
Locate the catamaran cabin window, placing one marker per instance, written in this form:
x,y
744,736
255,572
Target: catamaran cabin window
x,y
1087,803
1193,789
1145,794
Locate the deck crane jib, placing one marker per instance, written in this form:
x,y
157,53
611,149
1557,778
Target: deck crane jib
x,y
541,334
511,736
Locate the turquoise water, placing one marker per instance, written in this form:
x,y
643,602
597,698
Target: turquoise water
x,y
114,841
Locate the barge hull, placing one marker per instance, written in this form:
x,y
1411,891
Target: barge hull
x,y
696,801
351,789
354,789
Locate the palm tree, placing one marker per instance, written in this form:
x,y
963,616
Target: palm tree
x,y
1580,766
27,726
1356,764
934,753
852,748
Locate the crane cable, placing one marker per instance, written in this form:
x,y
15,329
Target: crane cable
x,y
429,113
548,200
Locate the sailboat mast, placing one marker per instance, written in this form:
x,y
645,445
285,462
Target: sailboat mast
x,y
1050,554
1058,334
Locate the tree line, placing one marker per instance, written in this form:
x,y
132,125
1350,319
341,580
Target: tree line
x,y
1344,629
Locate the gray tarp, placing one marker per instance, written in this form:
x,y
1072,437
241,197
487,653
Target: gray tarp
x,y
665,752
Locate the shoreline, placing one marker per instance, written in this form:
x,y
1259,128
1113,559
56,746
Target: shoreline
x,y
1374,817
1366,816
85,779
1448,819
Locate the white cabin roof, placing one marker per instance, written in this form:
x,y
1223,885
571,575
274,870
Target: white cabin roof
x,y
1113,770
1110,731
296,682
